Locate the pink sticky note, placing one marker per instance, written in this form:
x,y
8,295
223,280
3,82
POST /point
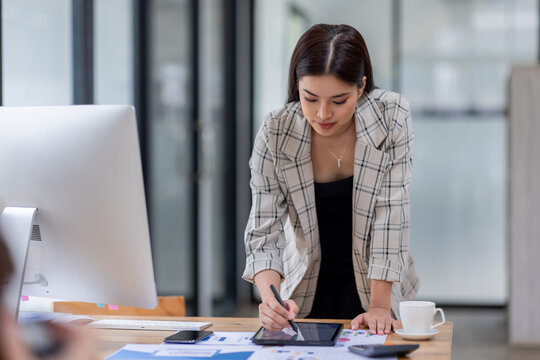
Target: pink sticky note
x,y
113,307
24,298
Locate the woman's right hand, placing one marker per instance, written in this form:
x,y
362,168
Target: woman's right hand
x,y
273,316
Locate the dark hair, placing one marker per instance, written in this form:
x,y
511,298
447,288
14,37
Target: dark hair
x,y
323,49
6,266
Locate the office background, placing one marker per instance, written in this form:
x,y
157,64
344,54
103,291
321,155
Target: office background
x,y
202,74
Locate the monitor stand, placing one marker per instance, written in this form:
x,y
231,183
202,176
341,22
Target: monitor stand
x,y
16,229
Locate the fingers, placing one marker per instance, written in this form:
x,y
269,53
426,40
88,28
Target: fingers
x,y
279,310
269,322
377,322
293,308
357,322
372,324
388,327
382,326
273,317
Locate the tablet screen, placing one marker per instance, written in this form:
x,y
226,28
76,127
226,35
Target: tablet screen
x,y
308,334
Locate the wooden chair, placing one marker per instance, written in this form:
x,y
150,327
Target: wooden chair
x,y
167,306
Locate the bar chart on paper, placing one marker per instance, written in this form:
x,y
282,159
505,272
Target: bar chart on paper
x,y
238,346
228,338
359,337
339,351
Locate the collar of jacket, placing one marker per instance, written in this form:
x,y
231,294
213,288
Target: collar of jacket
x,y
371,128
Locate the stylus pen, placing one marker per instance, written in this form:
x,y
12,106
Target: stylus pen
x,y
278,298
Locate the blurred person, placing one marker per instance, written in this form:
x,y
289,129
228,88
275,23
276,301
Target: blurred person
x,y
330,174
71,342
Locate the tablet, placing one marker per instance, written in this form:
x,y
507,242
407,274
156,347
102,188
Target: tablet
x,y
309,334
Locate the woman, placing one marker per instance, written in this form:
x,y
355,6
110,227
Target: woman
x,y
74,342
330,186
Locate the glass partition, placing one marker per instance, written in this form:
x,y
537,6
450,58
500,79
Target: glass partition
x,y
113,52
454,71
452,61
37,52
171,146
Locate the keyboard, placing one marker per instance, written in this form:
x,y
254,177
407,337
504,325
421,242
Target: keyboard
x,y
149,324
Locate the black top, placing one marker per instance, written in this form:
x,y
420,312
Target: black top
x,y
336,296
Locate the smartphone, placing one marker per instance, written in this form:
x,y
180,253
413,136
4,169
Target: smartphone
x,y
383,350
187,336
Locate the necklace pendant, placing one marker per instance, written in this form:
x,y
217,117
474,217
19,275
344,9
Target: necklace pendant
x,y
339,162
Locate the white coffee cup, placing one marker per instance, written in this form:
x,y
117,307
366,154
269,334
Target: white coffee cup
x,y
417,316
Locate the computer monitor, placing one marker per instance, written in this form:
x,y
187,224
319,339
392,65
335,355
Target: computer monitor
x,y
88,240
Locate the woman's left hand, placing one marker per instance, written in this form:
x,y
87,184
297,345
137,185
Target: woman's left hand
x,y
378,320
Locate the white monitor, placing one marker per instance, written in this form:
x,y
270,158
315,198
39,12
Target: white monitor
x,y
80,167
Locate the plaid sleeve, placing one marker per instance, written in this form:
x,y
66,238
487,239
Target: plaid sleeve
x,y
264,236
390,228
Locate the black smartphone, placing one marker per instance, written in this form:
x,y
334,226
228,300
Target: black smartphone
x,y
187,336
383,350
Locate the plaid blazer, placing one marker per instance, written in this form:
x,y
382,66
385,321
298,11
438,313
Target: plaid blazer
x,y
282,232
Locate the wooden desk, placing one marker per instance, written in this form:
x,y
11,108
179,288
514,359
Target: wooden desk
x,y
437,348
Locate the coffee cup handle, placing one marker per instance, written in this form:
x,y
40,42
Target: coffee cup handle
x,y
442,316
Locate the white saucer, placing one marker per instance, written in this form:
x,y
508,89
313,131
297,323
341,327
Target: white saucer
x,y
417,336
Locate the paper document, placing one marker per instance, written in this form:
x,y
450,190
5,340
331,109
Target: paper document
x,y
182,352
339,351
359,337
234,345
309,352
227,338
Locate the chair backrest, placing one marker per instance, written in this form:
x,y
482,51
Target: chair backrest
x,y
167,306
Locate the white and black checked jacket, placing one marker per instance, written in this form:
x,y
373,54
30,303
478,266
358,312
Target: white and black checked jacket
x,y
282,232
